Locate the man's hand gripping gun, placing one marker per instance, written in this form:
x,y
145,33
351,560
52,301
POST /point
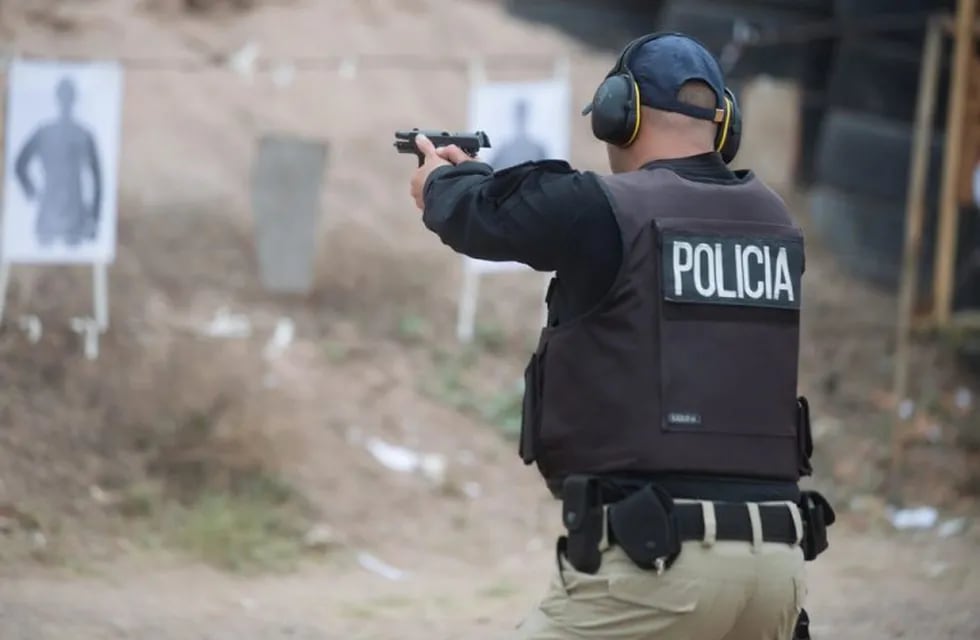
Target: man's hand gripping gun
x,y
469,142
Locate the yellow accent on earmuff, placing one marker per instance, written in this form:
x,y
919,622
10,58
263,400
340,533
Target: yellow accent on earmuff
x,y
636,124
725,123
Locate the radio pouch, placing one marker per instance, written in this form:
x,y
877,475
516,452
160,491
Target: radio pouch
x,y
802,630
583,518
643,525
817,515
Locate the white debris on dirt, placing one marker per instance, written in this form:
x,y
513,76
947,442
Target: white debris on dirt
x,y
963,399
224,324
377,566
39,540
403,460
99,495
394,457
322,537
917,518
282,336
433,467
472,490
31,325
951,528
825,427
242,61
905,409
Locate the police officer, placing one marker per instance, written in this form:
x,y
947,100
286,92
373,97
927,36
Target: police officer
x,y
660,404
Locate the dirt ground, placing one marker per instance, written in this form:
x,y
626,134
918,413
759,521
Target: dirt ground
x,y
469,545
873,589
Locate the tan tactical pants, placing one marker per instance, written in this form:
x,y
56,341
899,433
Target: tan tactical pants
x,y
721,590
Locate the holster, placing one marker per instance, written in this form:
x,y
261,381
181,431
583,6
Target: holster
x,y
643,526
802,630
582,515
817,515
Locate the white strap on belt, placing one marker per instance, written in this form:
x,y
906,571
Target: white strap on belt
x,y
756,521
604,540
710,523
794,512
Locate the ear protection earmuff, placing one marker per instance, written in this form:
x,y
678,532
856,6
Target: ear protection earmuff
x,y
615,107
729,135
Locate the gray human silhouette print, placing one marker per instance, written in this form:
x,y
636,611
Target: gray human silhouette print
x,y
65,149
521,147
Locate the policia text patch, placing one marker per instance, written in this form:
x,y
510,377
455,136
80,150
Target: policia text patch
x,y
758,272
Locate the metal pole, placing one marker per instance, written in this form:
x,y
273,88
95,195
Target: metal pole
x,y
100,295
4,281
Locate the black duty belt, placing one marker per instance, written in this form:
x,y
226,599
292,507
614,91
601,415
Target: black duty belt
x,y
733,522
650,526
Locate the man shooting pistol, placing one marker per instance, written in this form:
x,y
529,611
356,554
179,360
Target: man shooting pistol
x,y
468,142
661,403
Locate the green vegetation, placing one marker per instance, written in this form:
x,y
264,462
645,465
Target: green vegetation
x,y
258,527
258,530
499,406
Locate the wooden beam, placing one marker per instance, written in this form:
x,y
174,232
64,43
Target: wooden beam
x,y
971,137
963,45
915,213
949,23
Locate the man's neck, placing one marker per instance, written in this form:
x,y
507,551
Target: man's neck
x,y
650,155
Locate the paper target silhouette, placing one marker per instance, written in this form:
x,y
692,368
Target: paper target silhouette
x,y
62,147
526,122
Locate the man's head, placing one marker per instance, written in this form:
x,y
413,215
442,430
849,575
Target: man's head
x,y
665,98
65,92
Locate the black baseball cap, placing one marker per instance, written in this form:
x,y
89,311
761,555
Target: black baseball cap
x,y
661,65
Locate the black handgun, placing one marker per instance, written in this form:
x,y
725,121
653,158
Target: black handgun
x,y
469,142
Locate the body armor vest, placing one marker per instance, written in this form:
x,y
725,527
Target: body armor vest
x,y
689,363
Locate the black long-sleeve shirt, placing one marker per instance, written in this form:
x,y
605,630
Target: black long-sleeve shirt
x,y
554,218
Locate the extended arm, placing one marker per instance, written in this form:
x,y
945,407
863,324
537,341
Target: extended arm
x,y
22,164
521,214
